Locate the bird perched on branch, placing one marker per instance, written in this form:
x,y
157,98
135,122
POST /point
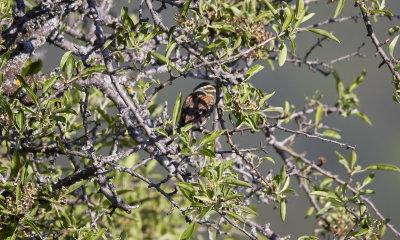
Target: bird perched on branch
x,y
198,105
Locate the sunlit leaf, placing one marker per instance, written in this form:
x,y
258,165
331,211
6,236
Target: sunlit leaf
x,y
383,167
177,110
392,45
324,33
339,8
282,54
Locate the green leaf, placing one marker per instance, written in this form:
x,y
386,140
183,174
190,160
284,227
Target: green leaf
x,y
28,89
203,198
162,132
318,114
204,212
65,110
324,33
353,159
185,8
289,17
378,11
307,238
160,57
69,67
177,110
282,54
74,186
64,59
237,182
15,163
20,119
234,196
186,186
282,175
292,37
94,69
210,137
273,10
357,81
34,227
367,180
49,83
206,152
96,235
283,210
360,233
392,45
24,173
307,17
18,191
331,134
247,209
252,71
31,68
105,45
383,167
319,193
234,215
7,107
268,159
323,210
343,161
309,212
1,78
187,127
362,116
339,8
299,8
171,46
60,144
211,47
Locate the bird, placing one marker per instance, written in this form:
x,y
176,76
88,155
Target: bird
x,y
198,105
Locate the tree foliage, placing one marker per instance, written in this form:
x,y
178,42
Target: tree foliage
x,y
88,152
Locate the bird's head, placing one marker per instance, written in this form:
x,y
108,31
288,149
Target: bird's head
x,y
205,87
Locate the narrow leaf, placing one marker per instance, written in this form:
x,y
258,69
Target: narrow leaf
x,y
185,8
324,33
319,193
160,57
28,89
318,114
299,8
383,167
283,210
392,45
353,159
34,227
367,180
252,71
74,186
49,83
331,134
234,215
15,163
185,185
206,152
238,183
339,8
177,110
